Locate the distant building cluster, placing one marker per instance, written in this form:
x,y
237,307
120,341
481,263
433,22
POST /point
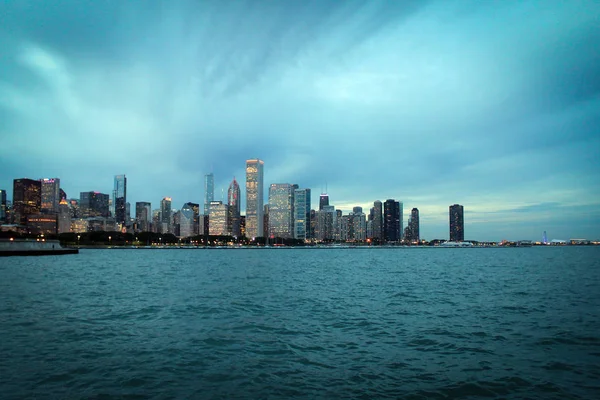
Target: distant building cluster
x,y
40,206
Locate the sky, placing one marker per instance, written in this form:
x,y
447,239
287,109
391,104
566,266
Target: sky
x,y
494,105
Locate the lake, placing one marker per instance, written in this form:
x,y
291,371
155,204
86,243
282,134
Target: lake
x,y
313,323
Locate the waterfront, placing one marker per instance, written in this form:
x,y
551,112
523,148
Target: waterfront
x,y
415,323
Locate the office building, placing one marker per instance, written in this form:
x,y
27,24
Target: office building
x,y
457,223
254,198
326,223
323,200
143,215
93,204
186,221
64,217
27,199
391,221
196,210
377,220
359,225
166,216
209,192
234,203
120,199
218,221
42,224
281,205
50,195
302,214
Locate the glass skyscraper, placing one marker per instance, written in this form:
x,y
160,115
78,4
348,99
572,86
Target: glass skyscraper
x,y
302,214
50,195
281,204
165,215
209,192
233,201
457,223
143,215
254,198
27,199
391,221
120,199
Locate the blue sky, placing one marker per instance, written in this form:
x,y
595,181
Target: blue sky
x,y
491,104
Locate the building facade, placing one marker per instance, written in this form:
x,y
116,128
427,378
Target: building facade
x,y
3,207
209,192
93,204
302,214
143,216
254,198
218,221
120,199
234,203
186,221
391,221
281,210
50,195
166,216
27,199
457,223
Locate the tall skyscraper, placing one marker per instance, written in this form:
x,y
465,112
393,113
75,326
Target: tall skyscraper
x,y
50,195
186,221
281,205
143,215
27,199
2,205
323,200
391,221
234,203
457,223
64,217
302,214
326,223
209,192
120,199
254,198
165,215
377,220
412,230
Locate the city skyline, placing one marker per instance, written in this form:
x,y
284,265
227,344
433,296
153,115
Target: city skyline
x,y
493,105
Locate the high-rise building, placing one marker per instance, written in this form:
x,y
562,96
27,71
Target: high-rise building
x,y
234,203
120,199
2,205
93,204
412,230
377,220
457,223
218,221
209,192
64,217
326,223
302,214
281,206
196,210
254,198
186,221
359,225
50,195
165,216
46,224
27,199
391,221
143,216
323,200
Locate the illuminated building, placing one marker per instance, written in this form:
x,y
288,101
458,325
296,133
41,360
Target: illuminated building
x,y
302,214
143,213
209,192
218,220
165,215
359,225
233,201
94,204
120,199
326,223
27,199
391,221
254,198
46,224
64,217
281,203
186,221
457,223
79,225
2,205
50,195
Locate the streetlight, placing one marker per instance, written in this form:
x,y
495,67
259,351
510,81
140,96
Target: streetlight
x,y
78,237
109,238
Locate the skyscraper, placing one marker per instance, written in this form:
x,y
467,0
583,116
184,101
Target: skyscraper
x,y
93,204
302,214
120,199
233,201
254,198
2,205
209,192
457,223
165,216
27,199
186,220
64,217
218,221
323,200
391,221
412,230
143,215
377,220
50,195
281,204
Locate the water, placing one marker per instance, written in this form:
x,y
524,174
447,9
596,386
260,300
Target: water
x,y
355,323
